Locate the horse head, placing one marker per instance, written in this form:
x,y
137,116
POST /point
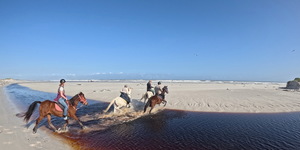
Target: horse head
x,y
82,99
129,92
165,89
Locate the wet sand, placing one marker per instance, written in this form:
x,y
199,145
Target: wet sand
x,y
15,136
203,97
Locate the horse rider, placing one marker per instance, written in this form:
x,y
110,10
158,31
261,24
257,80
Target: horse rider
x,y
149,87
158,89
124,94
62,98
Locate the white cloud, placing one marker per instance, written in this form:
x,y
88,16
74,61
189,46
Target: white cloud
x,y
98,73
104,73
71,74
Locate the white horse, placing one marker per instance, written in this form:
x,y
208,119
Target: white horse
x,y
119,102
146,96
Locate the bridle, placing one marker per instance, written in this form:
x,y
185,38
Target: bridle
x,y
81,99
165,90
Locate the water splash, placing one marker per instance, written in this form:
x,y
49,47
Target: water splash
x,y
169,129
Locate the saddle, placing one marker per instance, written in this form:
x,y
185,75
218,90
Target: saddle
x,y
149,94
161,96
125,97
60,107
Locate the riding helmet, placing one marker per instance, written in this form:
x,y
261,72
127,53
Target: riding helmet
x,y
62,81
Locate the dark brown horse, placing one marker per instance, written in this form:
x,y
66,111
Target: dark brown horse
x,y
47,108
157,99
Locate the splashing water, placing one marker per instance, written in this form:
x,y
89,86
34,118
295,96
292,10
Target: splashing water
x,y
169,129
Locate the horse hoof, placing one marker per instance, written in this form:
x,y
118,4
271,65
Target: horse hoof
x,y
57,131
62,130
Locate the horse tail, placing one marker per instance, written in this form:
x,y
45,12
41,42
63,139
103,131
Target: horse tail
x,y
30,110
147,104
112,102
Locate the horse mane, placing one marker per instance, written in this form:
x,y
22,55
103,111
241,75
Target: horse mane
x,y
72,100
165,87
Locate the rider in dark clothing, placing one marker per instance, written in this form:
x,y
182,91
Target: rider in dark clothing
x,y
125,97
124,94
149,86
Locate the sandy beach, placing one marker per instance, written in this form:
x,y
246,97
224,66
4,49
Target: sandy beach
x,y
201,96
15,136
205,96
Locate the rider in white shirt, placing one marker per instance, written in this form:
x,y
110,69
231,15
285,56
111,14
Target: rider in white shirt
x,y
62,98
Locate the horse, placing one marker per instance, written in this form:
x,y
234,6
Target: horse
x,y
146,96
157,99
48,108
119,102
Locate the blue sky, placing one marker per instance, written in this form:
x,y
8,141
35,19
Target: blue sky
x,y
256,40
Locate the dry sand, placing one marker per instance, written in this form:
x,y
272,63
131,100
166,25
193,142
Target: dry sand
x,y
231,97
13,134
245,97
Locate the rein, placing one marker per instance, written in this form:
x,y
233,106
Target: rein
x,y
73,102
80,98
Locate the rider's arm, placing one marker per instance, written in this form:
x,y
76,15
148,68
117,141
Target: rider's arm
x,y
61,92
160,89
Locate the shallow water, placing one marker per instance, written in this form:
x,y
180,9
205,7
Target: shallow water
x,y
170,129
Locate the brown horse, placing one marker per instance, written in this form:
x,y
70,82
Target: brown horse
x,y
157,99
47,108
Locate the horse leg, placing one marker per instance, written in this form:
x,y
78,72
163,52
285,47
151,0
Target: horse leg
x,y
65,125
151,105
117,109
142,97
165,102
50,123
111,103
146,98
146,106
77,119
41,117
67,122
150,110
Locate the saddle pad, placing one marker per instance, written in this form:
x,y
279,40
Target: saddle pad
x,y
60,107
